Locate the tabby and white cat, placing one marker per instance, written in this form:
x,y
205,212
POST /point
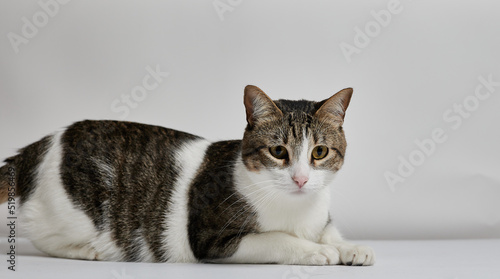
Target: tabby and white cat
x,y
122,191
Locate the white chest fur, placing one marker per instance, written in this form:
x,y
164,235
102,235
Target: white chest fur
x,y
302,215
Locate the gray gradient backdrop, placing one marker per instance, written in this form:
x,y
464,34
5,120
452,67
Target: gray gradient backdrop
x,y
63,62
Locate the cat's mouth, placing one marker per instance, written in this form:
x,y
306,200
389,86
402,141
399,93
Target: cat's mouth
x,y
300,191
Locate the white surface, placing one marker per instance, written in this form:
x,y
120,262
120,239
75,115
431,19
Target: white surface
x,y
452,259
428,58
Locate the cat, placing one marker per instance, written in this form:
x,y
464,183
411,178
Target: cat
x,y
122,191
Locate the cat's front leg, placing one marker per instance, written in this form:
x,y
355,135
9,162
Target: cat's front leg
x,y
350,254
282,248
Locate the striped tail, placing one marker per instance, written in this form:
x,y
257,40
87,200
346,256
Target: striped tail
x,y
18,175
7,181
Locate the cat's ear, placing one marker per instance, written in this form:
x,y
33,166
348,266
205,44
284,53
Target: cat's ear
x,y
259,106
335,106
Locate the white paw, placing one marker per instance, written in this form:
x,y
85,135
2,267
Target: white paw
x,y
356,254
77,252
321,255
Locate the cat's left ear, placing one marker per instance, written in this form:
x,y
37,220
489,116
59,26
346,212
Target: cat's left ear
x,y
335,106
259,106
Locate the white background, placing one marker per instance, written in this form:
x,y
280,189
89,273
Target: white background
x,y
410,73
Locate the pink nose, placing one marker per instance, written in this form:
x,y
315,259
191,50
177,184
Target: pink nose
x,y
300,180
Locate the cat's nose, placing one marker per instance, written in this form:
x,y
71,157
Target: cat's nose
x,y
300,180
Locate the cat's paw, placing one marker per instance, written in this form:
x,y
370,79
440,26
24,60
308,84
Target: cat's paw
x,y
356,254
321,255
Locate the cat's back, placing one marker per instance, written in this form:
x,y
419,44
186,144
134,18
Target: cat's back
x,y
129,150
131,134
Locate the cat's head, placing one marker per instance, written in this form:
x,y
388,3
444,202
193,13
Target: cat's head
x,y
298,146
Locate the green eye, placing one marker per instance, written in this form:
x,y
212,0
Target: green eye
x,y
320,152
279,152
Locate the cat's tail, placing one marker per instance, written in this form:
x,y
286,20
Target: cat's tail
x,y
19,174
8,180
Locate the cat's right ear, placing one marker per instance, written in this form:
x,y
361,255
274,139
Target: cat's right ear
x,y
259,106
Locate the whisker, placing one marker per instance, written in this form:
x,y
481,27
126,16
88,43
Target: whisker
x,y
245,209
245,197
247,186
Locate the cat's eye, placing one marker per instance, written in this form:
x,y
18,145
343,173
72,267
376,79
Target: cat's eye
x,y
279,152
320,152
